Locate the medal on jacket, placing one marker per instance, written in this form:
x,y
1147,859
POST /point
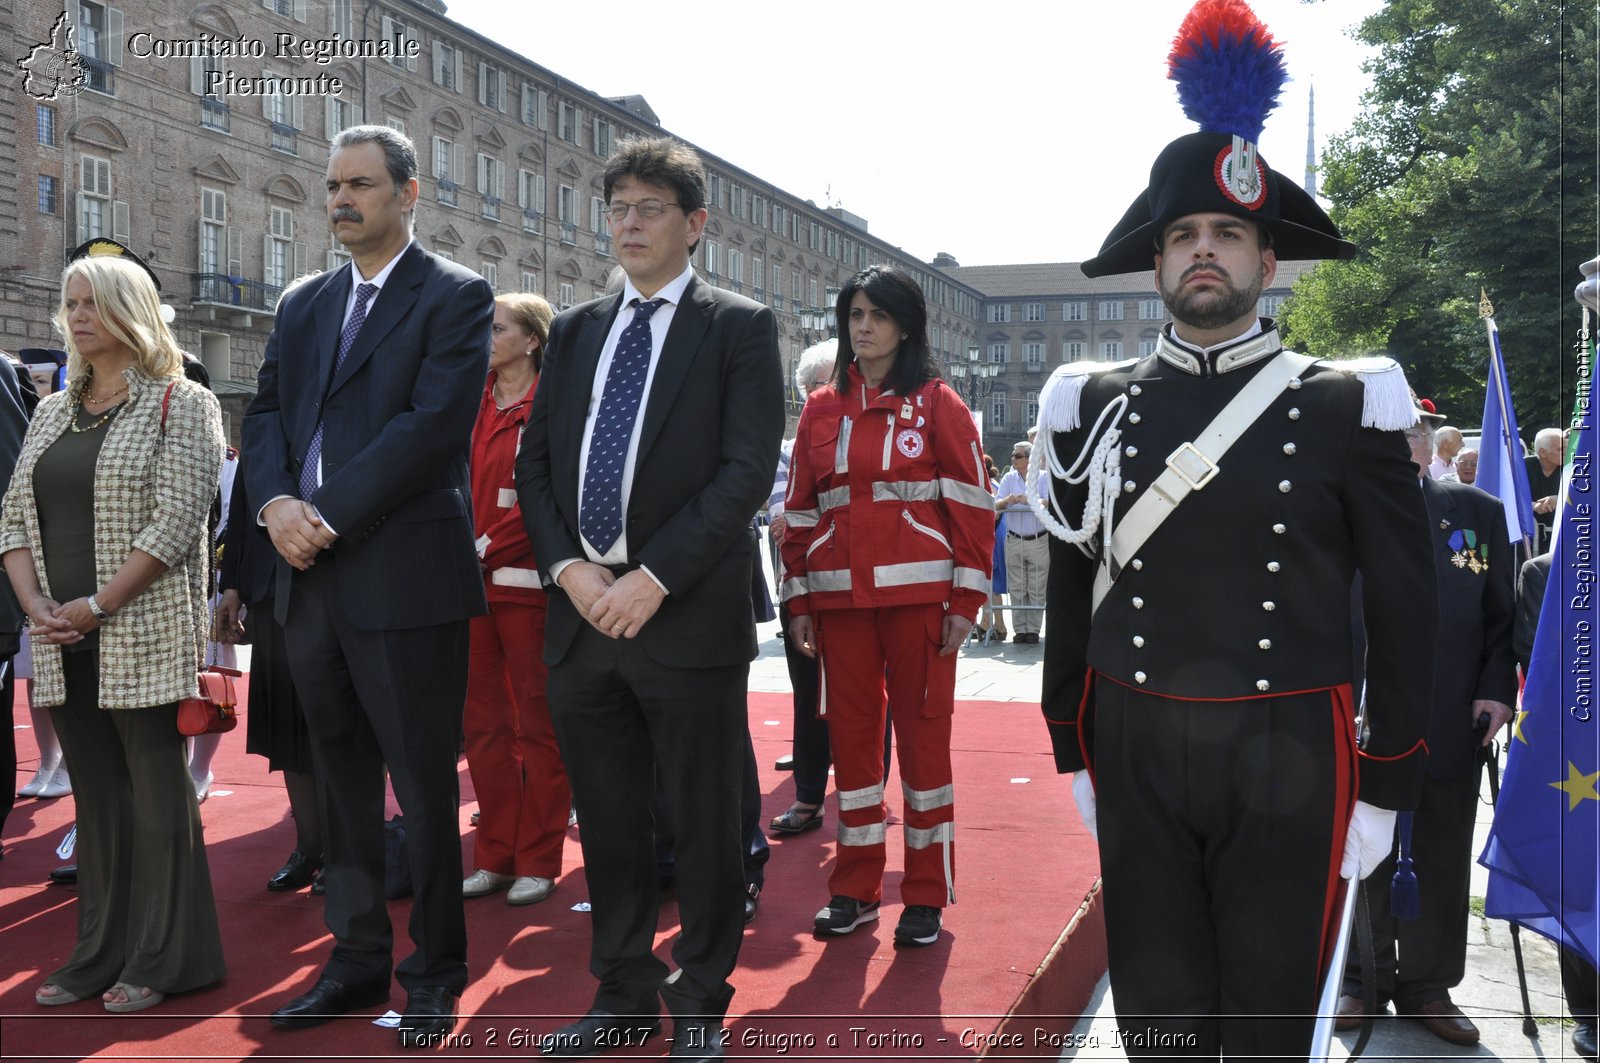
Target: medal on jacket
x,y
905,410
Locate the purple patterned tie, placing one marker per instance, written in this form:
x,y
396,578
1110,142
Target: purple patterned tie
x,y
600,509
310,471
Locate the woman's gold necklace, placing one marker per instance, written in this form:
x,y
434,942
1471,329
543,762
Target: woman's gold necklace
x,y
104,417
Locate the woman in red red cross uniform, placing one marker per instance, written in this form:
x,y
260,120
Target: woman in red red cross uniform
x,y
523,796
886,564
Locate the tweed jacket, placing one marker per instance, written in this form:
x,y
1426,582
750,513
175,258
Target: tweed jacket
x,y
153,491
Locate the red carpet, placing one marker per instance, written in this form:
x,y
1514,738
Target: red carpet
x,y
1018,959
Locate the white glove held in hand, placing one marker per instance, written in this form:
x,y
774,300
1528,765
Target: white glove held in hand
x,y
1083,794
1371,838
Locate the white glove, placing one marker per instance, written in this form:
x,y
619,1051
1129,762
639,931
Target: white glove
x,y
1371,838
1083,794
1588,292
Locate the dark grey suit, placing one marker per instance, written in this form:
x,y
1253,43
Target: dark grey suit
x,y
376,629
675,694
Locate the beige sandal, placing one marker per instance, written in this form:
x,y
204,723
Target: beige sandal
x,y
56,997
134,998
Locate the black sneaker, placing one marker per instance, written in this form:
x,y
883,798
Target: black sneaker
x,y
844,914
919,925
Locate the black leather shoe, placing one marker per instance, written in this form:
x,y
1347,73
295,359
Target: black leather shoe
x,y
319,888
65,875
599,1031
1583,1040
698,1040
752,901
298,872
329,999
784,763
430,1014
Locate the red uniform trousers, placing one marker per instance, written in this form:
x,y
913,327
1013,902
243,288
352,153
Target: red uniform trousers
x,y
516,767
862,651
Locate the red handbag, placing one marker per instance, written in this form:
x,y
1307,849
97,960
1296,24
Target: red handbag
x,y
215,711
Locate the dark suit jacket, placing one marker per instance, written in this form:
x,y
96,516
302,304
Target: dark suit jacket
x,y
1531,582
396,439
709,444
249,563
15,412
1474,657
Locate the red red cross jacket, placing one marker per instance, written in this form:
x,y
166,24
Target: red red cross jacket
x,y
510,574
888,502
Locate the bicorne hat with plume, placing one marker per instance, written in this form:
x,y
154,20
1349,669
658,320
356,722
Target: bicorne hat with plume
x,y
1229,73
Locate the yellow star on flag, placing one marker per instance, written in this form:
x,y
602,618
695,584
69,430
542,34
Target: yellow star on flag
x,y
1516,726
1578,787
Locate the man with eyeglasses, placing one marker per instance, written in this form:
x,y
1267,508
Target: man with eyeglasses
x,y
651,442
1211,504
1027,548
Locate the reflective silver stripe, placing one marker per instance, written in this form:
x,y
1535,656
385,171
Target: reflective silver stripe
x,y
833,579
965,493
906,491
516,577
911,572
970,579
801,518
794,588
871,834
508,497
819,540
867,797
833,498
482,544
927,800
841,450
888,441
918,838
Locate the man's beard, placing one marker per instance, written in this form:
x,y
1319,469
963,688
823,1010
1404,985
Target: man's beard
x,y
1212,309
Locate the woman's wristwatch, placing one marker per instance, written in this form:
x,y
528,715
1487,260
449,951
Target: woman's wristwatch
x,y
94,607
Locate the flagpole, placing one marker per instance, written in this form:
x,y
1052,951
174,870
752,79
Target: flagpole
x,y
1497,376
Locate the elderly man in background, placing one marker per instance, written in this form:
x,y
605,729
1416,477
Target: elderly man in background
x,y
1447,444
1027,548
1466,466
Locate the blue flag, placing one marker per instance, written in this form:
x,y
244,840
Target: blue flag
x,y
1502,467
1545,840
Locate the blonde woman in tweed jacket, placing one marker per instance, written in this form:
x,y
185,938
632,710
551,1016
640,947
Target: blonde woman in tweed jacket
x,y
103,537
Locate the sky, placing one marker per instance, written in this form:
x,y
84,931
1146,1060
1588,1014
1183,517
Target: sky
x,y
1001,132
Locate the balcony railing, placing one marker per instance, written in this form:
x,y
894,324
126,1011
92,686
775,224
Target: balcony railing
x,y
602,244
215,114
285,138
98,74
219,289
447,192
491,208
533,221
569,234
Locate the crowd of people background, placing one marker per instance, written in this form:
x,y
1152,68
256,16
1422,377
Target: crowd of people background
x,y
584,485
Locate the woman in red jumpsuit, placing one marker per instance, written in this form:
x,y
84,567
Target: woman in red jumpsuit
x,y
522,789
886,563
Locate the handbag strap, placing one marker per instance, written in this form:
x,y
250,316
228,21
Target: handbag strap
x,y
1195,464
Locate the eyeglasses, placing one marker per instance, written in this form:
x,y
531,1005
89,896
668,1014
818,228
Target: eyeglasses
x,y
649,209
1018,457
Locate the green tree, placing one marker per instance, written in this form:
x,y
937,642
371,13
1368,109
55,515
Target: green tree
x,y
1472,166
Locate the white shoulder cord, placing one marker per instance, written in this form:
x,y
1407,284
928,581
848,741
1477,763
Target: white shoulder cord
x,y
1100,462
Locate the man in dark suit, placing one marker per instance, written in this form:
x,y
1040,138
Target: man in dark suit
x,y
1474,679
651,442
359,440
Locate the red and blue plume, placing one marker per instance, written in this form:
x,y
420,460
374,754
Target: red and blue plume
x,y
1228,68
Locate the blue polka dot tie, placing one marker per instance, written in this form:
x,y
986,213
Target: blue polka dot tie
x,y
310,471
600,509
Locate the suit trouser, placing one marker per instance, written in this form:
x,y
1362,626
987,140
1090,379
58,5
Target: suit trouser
x,y
516,767
1580,984
1221,828
377,699
146,914
1418,961
872,658
620,717
754,839
1027,573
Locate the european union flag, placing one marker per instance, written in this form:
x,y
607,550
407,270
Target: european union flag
x,y
1543,846
1501,463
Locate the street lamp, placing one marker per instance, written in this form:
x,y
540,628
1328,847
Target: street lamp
x,y
816,323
